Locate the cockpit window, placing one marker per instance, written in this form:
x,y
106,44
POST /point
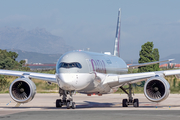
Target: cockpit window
x,y
70,65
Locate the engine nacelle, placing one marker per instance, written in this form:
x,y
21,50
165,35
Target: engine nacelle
x,y
22,90
156,89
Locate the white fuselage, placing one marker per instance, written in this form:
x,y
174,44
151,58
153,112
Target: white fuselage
x,y
86,71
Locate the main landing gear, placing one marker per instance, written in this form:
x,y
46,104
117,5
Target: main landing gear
x,y
64,101
130,101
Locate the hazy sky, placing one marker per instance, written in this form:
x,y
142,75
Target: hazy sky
x,y
92,23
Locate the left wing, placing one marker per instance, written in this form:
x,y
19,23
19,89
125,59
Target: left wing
x,y
41,76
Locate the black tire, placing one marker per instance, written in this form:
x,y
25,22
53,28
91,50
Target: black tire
x,y
58,103
136,103
124,103
64,102
73,105
68,105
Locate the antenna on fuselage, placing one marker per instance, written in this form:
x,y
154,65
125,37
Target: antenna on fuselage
x,y
117,37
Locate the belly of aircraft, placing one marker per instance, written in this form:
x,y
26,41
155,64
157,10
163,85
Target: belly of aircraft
x,y
92,88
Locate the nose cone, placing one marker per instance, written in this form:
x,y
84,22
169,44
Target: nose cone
x,y
67,81
73,81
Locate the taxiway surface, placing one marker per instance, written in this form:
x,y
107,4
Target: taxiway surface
x,y
44,104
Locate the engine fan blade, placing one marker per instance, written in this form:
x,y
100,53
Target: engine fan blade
x,y
19,85
24,95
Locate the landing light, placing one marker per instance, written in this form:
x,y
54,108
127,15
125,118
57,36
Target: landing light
x,y
107,53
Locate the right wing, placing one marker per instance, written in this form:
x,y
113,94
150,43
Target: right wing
x,y
115,80
41,76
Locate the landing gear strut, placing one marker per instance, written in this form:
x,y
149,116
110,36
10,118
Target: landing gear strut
x,y
64,101
130,101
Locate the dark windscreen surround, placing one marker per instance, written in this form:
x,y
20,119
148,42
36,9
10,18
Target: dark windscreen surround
x,y
70,65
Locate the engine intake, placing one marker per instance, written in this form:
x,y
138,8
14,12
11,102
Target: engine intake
x,y
22,90
156,89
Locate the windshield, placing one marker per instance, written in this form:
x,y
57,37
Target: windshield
x,y
70,65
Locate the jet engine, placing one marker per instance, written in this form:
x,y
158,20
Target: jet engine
x,y
156,89
22,90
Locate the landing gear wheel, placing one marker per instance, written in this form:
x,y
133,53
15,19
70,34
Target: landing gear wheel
x,y
68,105
64,102
68,102
124,103
58,103
73,105
136,103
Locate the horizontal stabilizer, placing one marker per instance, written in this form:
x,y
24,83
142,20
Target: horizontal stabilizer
x,y
150,63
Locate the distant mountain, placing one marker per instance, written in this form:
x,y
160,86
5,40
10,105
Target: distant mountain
x,y
36,40
34,57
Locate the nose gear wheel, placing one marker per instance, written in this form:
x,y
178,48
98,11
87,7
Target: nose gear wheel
x,y
64,101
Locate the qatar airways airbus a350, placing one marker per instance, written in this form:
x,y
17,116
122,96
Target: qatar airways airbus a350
x,y
92,73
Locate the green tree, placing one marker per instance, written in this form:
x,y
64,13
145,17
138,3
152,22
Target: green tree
x,y
22,62
8,61
156,56
148,54
12,55
4,84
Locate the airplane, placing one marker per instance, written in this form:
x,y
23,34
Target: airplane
x,y
93,73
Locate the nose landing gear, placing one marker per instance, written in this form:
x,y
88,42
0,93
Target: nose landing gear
x,y
71,104
68,102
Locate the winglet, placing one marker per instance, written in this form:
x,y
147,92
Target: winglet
x,y
170,60
117,38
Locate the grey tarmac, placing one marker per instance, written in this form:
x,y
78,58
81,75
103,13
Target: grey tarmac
x,y
90,107
95,115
